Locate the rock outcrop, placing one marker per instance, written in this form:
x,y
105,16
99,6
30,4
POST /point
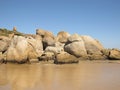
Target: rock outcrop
x,y
44,46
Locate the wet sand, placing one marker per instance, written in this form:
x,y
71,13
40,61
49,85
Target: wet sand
x,y
87,75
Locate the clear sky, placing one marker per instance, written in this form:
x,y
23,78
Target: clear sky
x,y
97,18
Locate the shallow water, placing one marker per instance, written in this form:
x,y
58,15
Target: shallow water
x,y
83,76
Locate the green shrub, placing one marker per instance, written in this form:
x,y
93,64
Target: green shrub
x,y
6,32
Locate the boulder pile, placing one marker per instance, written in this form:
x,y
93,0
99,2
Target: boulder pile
x,y
44,46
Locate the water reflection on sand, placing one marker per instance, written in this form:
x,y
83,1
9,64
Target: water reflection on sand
x,y
82,76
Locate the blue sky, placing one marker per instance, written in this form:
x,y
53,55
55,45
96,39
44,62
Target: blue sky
x,y
97,18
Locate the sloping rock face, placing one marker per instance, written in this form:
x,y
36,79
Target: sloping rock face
x,y
76,46
64,48
18,50
93,48
47,38
35,48
24,49
62,37
4,43
64,58
114,54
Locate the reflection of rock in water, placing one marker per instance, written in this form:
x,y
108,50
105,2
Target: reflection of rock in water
x,y
23,77
3,75
45,77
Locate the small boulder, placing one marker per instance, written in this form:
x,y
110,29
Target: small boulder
x,y
62,37
114,54
46,56
64,58
97,57
74,38
14,29
44,33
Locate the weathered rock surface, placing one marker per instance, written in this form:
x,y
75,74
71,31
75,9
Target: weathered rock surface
x,y
1,57
97,57
47,38
106,52
44,46
18,50
114,54
76,48
92,46
44,33
24,49
57,48
74,38
35,47
62,37
46,56
4,43
54,49
65,57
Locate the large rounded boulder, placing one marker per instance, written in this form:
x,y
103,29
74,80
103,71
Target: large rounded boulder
x,y
75,46
24,49
18,50
114,54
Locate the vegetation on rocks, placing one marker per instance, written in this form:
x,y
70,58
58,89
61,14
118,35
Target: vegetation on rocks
x,y
6,32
